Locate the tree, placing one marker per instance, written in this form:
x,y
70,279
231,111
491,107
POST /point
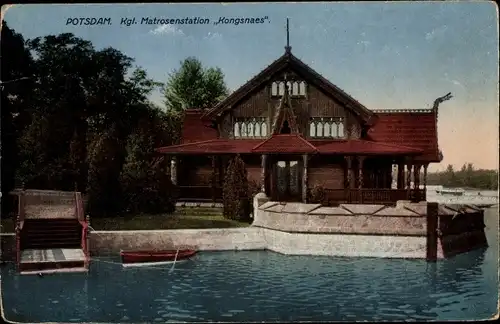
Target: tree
x,y
235,191
83,119
144,180
104,192
467,177
16,66
193,86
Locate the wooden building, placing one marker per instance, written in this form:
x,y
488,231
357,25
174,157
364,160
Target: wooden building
x,y
295,131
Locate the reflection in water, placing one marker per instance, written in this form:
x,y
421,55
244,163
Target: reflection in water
x,y
263,286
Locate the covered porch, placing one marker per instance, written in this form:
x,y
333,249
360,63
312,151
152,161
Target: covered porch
x,y
359,179
289,168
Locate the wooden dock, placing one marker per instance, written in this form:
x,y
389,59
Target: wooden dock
x,y
56,260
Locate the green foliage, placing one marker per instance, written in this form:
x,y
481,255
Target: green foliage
x,y
17,64
253,189
317,194
83,118
467,177
235,191
104,192
145,181
193,86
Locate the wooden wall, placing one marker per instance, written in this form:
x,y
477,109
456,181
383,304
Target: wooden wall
x,y
253,165
327,172
197,170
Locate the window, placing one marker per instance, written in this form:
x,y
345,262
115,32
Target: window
x,y
263,130
236,129
281,89
330,127
326,130
254,127
274,89
312,129
302,88
295,88
257,129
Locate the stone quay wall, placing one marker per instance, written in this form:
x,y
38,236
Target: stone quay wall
x,y
111,242
407,230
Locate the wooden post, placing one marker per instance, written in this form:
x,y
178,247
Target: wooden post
x,y
173,170
360,178
287,176
263,174
350,178
408,181
425,175
274,181
305,159
416,176
360,166
425,181
401,175
213,179
432,231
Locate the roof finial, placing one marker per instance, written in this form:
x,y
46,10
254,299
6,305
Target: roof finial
x,y
288,48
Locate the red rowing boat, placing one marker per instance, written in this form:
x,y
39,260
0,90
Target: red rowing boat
x,y
138,258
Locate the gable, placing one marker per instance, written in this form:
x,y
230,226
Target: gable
x,y
290,62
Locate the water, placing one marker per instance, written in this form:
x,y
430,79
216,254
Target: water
x,y
264,286
479,197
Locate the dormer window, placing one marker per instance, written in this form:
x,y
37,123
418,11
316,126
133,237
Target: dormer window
x,y
326,127
255,127
295,88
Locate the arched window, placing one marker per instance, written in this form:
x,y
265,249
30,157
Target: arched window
x,y
335,129
281,88
326,129
319,129
312,129
295,91
263,129
341,129
302,88
274,89
236,129
243,130
257,130
250,129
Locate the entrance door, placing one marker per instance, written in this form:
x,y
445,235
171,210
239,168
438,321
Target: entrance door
x,y
287,185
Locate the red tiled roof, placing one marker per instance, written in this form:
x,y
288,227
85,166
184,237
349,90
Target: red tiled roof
x,y
216,146
195,129
285,143
411,129
361,147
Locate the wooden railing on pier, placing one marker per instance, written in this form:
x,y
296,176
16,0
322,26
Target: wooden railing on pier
x,y
334,197
19,225
199,193
84,221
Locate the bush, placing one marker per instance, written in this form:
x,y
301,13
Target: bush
x,y
253,189
235,191
318,195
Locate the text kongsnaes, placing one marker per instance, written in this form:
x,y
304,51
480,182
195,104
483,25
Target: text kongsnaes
x,y
130,21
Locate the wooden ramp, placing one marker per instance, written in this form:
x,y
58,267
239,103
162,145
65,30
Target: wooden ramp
x,y
52,261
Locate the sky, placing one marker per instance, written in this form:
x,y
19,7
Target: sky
x,y
396,55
